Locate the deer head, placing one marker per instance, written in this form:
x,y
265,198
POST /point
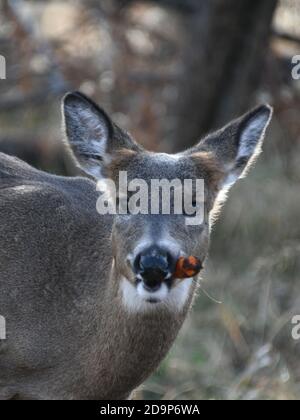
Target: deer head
x,y
147,245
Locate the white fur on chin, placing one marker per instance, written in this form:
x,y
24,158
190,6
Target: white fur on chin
x,y
136,299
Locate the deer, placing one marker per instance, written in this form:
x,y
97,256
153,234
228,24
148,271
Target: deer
x,y
86,317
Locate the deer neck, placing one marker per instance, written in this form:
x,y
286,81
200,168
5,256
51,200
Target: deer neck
x,y
132,344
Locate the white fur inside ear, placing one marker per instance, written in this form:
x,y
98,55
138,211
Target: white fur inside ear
x,y
96,132
249,148
252,136
88,132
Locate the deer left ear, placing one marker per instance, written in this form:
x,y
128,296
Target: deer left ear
x,y
91,135
88,132
236,146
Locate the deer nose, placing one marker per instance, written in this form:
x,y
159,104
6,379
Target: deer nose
x,y
153,266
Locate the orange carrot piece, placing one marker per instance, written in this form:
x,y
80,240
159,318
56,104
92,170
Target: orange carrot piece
x,y
187,267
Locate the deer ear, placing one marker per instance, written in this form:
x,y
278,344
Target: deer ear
x,y
236,146
88,130
91,135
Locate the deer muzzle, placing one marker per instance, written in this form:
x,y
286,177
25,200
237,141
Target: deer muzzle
x,y
154,266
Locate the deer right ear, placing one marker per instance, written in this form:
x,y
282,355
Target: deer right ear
x,y
88,130
236,146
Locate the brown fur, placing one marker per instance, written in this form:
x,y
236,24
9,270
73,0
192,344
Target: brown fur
x,y
119,162
208,164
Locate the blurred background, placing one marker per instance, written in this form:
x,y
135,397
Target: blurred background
x,y
169,71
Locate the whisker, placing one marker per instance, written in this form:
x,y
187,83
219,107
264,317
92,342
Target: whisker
x,y
219,302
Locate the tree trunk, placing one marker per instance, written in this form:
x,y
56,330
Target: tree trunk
x,y
226,47
204,69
